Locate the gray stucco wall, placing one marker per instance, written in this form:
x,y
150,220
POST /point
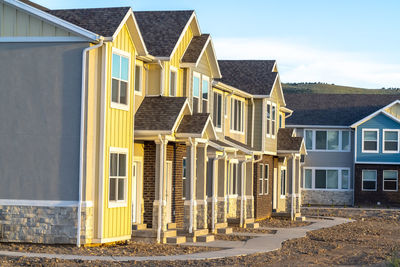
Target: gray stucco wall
x,y
328,159
40,87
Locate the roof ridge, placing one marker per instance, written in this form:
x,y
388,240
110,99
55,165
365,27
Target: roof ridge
x,y
180,10
89,8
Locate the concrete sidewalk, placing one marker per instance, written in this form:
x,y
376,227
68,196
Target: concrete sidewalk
x,y
260,244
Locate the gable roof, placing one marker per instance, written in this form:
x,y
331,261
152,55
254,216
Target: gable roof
x,y
103,21
287,141
159,113
252,76
193,123
195,48
380,111
333,109
161,30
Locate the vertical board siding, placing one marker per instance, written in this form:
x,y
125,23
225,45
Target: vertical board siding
x,y
119,133
175,62
14,22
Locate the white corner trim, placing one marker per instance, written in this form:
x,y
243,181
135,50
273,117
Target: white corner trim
x,y
44,203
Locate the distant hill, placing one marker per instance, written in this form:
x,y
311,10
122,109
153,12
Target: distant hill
x,y
324,88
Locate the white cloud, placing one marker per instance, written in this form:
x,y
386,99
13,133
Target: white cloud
x,y
298,62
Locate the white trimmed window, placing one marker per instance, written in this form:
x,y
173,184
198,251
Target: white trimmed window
x,y
232,178
184,180
205,84
316,178
283,182
118,176
266,177
138,79
196,85
370,140
273,120
217,110
237,115
369,178
173,81
390,141
327,140
268,123
120,79
261,179
390,180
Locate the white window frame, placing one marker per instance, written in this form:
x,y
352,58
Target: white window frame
x,y
339,169
205,78
273,120
230,186
241,116
280,187
266,178
383,181
128,89
218,129
377,140
261,179
383,141
314,140
197,75
184,178
118,203
362,180
268,120
174,70
140,92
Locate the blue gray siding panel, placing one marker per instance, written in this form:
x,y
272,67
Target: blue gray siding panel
x,y
40,87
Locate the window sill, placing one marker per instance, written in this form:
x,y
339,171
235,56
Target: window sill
x,y
139,93
320,189
119,106
117,204
369,190
283,197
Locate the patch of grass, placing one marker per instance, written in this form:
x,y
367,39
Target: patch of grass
x,y
394,261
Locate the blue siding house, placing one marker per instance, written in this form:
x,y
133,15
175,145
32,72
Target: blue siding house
x,y
377,157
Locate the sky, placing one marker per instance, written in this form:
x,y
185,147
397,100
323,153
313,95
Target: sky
x,y
345,42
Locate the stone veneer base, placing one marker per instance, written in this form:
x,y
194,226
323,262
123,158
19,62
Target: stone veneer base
x,y
327,197
48,225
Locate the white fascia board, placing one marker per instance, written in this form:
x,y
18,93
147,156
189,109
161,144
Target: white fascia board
x,y
54,20
245,150
44,39
317,126
354,125
230,89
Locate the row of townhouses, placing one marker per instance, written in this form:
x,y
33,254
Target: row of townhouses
x,y
118,123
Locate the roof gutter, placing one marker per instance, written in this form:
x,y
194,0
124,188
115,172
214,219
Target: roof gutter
x,y
82,135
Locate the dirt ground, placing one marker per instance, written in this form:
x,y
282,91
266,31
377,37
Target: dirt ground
x,y
369,242
129,248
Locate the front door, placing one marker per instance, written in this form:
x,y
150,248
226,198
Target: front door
x,y
168,191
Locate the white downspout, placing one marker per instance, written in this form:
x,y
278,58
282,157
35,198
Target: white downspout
x,y
160,191
192,150
242,191
82,135
293,175
213,193
252,121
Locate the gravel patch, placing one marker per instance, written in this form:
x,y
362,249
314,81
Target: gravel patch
x,y
255,231
231,237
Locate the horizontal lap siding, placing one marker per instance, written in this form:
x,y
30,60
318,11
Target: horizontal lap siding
x,y
119,133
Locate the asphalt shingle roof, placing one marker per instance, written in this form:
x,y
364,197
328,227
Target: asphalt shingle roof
x,y
103,21
194,49
286,141
158,113
252,76
334,109
227,138
193,124
161,29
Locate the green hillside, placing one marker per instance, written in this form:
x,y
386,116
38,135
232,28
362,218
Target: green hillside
x,y
323,88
